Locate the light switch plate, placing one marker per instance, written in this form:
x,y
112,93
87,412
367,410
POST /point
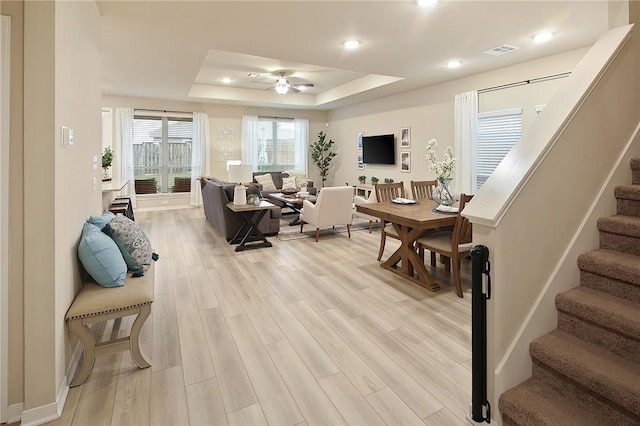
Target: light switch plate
x,y
67,137
95,162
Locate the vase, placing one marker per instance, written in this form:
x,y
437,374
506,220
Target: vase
x,y
442,193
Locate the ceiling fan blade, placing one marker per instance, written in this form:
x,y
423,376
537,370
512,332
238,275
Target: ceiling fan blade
x,y
303,85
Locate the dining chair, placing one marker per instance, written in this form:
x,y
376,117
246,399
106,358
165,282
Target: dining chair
x,y
385,192
422,189
360,200
333,207
453,245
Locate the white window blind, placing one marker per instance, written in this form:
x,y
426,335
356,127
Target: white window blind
x,y
498,132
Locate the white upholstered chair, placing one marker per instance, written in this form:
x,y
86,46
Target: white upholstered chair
x,y
360,200
333,207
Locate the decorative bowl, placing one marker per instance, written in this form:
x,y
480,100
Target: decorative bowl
x,y
289,191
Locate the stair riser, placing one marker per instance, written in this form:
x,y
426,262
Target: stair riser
x,y
612,286
622,243
520,417
628,207
594,333
618,415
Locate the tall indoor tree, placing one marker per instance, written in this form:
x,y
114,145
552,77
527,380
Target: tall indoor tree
x,y
322,154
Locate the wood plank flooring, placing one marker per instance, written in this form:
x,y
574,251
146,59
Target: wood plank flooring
x,y
299,333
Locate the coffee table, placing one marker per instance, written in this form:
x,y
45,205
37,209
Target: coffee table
x,y
293,202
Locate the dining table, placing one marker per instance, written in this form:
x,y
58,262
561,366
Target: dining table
x,y
410,221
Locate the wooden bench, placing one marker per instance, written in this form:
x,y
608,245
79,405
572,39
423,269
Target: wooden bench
x,y
95,304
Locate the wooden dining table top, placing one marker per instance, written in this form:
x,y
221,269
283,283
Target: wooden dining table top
x,y
419,215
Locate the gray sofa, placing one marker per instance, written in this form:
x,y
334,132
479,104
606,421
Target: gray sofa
x,y
216,195
277,181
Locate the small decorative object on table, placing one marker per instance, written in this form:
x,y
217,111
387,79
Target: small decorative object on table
x,y
362,179
107,159
289,191
374,180
442,193
388,180
253,199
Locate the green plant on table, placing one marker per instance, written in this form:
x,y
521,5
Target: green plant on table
x,y
388,180
107,157
362,179
374,180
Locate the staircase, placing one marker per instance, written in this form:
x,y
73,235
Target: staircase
x,y
587,371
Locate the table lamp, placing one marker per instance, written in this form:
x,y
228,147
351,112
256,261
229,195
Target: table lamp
x,y
240,173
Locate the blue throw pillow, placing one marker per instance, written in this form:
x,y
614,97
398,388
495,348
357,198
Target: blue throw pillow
x,y
103,220
101,257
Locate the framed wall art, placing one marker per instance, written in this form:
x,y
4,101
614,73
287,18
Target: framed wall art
x,y
405,137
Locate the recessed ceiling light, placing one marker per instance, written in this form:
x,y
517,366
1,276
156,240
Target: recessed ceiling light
x,y
426,3
453,64
542,37
226,80
351,44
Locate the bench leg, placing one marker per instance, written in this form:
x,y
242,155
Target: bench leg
x,y
88,354
134,343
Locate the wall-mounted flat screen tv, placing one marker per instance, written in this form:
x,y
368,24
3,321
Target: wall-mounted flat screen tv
x,y
379,149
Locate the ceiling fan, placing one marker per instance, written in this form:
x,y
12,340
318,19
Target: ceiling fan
x,y
283,85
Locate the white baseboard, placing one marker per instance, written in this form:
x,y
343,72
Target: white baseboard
x,y
46,413
14,413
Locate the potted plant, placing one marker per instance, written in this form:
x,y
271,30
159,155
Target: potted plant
x,y
362,179
107,159
322,154
388,180
374,180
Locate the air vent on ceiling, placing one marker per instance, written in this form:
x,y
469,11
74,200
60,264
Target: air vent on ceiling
x,y
253,74
501,50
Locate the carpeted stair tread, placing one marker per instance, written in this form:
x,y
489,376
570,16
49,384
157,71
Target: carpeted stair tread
x,y
611,263
605,310
621,225
534,403
627,192
591,366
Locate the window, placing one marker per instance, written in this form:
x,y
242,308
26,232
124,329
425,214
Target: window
x,y
162,153
498,132
275,144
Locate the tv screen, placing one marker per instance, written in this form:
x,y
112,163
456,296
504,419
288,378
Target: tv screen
x,y
378,149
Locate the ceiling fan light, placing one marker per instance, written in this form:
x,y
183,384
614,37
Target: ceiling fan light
x,y
282,88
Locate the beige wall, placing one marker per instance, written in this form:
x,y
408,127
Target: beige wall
x,y
62,87
15,9
429,113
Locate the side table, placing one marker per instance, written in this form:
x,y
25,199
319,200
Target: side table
x,y
249,232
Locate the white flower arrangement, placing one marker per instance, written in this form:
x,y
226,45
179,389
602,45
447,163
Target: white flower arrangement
x,y
445,168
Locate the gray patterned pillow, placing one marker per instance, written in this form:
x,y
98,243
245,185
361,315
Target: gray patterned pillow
x,y
132,242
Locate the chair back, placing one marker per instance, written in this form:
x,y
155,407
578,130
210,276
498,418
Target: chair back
x,y
462,230
388,191
334,205
422,189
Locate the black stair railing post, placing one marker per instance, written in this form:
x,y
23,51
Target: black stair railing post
x,y
480,293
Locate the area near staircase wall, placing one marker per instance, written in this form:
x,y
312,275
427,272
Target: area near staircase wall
x,y
537,199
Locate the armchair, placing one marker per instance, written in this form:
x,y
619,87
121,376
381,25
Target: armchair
x,y
333,207
359,200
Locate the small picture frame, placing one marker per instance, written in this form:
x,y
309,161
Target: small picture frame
x,y
360,162
405,161
359,139
405,137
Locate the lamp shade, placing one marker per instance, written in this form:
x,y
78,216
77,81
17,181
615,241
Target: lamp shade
x,y
233,163
240,173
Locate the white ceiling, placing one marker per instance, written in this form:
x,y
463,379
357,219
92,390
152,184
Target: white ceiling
x,y
180,50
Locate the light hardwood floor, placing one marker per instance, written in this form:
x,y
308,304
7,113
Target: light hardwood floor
x,y
299,333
